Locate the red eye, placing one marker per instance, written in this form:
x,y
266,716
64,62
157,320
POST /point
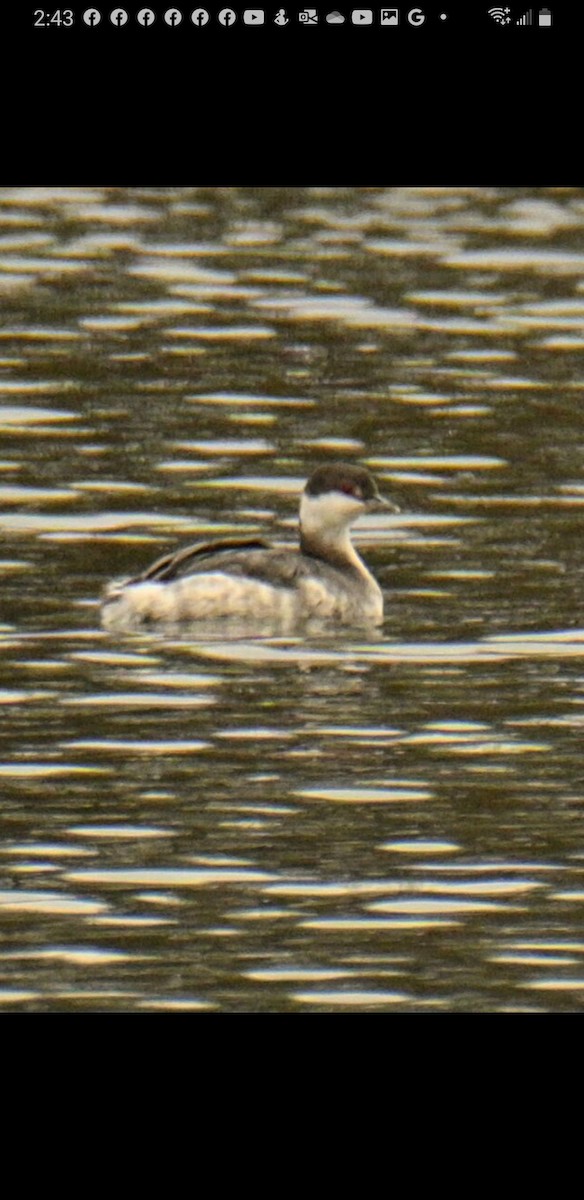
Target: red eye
x,y
351,489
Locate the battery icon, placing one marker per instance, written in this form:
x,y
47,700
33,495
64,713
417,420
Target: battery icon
x,y
545,16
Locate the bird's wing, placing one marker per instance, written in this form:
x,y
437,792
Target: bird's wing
x,y
191,559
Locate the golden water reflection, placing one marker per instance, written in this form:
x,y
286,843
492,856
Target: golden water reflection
x,y
326,820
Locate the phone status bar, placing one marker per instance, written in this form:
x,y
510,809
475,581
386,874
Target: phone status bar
x,y
309,18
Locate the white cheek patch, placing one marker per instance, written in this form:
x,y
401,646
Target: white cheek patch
x,y
329,512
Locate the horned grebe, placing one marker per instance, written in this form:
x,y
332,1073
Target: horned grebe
x,y
250,578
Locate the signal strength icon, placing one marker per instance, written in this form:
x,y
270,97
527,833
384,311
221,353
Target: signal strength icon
x,y
500,15
526,19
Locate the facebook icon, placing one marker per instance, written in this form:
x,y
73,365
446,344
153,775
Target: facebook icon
x,y
91,16
227,16
200,16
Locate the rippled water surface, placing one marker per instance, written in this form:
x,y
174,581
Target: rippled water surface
x,y
223,819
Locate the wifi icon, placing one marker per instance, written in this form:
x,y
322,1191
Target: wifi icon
x,y
500,15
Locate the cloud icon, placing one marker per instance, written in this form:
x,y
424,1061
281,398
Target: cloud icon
x,y
335,18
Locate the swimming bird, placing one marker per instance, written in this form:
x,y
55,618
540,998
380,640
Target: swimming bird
x,y
251,578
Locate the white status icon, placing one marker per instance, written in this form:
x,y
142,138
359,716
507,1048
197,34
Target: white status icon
x,y
91,16
281,17
146,16
200,16
119,16
173,16
227,16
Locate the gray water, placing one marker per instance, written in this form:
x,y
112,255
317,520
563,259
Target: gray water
x,y
231,821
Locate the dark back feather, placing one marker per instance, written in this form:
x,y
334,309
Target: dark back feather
x,y
171,565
